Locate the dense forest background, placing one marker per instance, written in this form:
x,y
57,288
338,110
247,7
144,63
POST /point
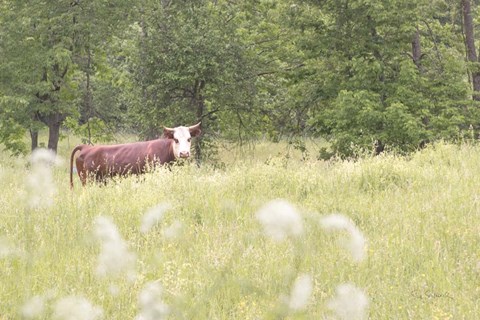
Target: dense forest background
x,y
363,74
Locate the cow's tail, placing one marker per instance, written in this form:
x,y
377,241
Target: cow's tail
x,y
80,147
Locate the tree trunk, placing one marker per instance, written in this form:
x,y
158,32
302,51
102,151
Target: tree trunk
x,y
470,46
200,106
53,135
54,119
417,50
88,95
152,131
379,147
417,57
198,141
53,122
34,138
34,131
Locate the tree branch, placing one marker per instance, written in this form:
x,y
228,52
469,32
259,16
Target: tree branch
x,y
265,73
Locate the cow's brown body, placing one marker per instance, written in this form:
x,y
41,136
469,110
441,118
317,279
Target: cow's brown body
x,y
104,161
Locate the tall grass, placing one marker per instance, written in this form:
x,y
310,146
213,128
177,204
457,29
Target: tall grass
x,y
207,254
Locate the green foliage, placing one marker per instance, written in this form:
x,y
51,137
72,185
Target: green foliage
x,y
355,120
345,70
12,135
45,53
363,88
192,66
93,131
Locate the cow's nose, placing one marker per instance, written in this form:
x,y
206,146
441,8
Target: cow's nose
x,y
184,154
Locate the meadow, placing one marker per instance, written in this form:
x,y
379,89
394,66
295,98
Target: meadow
x,y
269,235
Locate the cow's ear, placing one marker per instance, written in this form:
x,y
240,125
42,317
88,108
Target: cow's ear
x,y
168,133
195,130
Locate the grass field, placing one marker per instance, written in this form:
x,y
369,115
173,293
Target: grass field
x,y
194,243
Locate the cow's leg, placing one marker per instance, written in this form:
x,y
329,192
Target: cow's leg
x,y
82,173
83,177
100,178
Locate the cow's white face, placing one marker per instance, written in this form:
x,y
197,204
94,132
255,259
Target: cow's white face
x,y
182,137
181,142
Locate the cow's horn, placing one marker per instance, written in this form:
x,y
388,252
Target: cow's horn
x,y
168,132
195,127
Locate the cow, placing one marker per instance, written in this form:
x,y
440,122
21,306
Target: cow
x,y
104,161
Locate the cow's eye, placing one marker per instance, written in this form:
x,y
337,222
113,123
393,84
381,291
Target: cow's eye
x,y
189,139
176,140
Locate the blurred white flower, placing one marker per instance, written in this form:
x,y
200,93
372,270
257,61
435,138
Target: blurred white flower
x,y
76,308
153,216
33,308
280,219
6,248
301,293
151,304
40,186
41,156
349,303
114,259
335,221
356,244
174,230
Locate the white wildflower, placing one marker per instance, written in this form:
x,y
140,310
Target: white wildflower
x,y
301,293
42,156
76,308
115,258
153,216
33,308
349,303
335,221
151,304
40,185
356,244
174,230
280,219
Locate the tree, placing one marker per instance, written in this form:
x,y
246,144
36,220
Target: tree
x,y
369,88
368,75
95,25
16,103
190,66
51,48
470,47
39,49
